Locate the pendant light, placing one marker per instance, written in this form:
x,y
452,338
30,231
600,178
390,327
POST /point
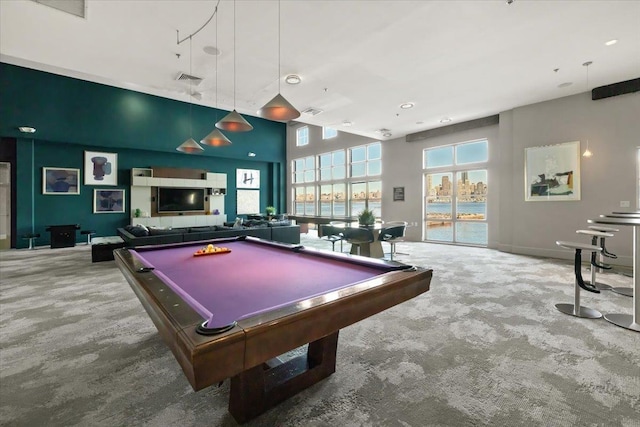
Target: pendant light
x,y
215,138
587,152
234,122
278,108
190,146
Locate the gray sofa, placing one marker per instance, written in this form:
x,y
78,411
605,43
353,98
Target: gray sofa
x,y
134,236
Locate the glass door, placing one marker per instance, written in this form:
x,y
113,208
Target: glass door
x,y
455,186
438,206
456,207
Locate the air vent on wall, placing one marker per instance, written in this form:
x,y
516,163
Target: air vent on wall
x,y
184,77
73,7
312,111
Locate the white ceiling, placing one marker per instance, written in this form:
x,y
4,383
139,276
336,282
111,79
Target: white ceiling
x,y
359,60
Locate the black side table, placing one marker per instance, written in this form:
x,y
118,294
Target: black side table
x,y
63,236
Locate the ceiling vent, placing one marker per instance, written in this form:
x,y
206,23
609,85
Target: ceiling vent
x,y
73,7
383,130
312,111
184,77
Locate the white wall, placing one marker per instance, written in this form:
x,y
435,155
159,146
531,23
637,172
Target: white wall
x,y
612,127
402,167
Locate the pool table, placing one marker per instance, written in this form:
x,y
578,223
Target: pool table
x,y
231,314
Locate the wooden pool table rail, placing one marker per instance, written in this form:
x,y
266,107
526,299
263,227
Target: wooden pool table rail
x,y
241,352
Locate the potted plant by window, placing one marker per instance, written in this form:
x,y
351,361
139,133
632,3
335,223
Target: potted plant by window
x,y
366,217
271,211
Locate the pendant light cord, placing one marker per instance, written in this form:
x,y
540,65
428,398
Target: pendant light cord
x,y
190,91
279,71
217,61
215,13
234,55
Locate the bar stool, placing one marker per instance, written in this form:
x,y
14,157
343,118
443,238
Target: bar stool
x,y
332,234
89,233
31,237
576,309
594,265
392,234
605,252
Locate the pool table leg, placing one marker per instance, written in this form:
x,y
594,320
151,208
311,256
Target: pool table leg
x,y
260,388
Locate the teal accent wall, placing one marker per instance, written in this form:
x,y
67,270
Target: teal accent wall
x,y
72,116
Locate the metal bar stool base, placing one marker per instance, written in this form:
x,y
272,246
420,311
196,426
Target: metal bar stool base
x,y
599,286
584,312
622,320
627,292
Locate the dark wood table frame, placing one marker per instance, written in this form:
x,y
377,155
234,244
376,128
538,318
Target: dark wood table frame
x,y
246,353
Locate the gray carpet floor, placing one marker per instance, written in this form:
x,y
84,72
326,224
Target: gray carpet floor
x,y
485,346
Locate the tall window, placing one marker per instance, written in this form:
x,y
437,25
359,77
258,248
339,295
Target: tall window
x,y
333,200
338,183
366,160
302,136
305,200
328,133
304,170
332,165
366,195
456,193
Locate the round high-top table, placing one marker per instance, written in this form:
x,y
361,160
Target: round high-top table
x,y
628,321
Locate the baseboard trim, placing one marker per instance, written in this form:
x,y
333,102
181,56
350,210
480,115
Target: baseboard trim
x,y
622,261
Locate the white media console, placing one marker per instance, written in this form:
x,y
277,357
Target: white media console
x,y
142,182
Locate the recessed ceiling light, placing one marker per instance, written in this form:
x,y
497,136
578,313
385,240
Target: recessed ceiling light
x,y
211,50
611,42
26,129
419,123
292,79
565,84
346,123
386,134
407,105
383,130
251,154
445,120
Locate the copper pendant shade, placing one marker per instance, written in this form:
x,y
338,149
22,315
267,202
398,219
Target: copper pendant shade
x,y
234,122
215,139
190,147
278,109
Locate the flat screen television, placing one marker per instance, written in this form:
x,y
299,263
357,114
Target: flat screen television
x,y
172,199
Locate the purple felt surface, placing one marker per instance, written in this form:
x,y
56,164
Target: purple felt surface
x,y
251,279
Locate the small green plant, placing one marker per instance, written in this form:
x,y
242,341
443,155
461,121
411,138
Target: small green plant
x,y
271,211
366,217
137,213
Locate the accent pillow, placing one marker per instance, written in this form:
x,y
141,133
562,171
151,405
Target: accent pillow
x,y
137,230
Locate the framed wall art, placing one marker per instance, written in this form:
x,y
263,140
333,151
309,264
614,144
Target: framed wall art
x,y
108,201
60,181
552,172
248,202
398,194
247,178
100,168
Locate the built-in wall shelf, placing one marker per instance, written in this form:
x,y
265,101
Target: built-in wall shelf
x,y
144,188
145,178
181,221
141,172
